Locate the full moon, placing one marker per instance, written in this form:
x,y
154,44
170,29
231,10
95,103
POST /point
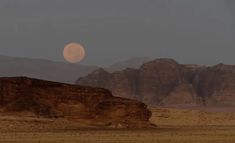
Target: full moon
x,y
74,52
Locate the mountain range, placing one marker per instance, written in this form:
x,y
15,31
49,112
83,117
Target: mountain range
x,y
166,82
56,71
42,69
162,82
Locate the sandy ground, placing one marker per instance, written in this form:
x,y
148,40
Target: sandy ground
x,y
193,117
174,126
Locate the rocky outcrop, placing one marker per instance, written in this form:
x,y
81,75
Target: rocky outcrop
x,y
166,82
88,105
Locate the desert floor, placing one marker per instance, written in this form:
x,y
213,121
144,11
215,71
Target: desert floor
x,y
174,126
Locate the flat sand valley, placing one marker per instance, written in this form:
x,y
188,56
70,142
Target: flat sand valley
x,y
174,126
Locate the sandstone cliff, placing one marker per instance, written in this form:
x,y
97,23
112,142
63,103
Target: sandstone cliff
x,y
216,85
87,105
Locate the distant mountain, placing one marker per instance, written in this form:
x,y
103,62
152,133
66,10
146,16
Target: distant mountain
x,y
166,82
130,63
42,69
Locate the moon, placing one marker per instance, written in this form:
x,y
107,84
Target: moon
x,y
74,53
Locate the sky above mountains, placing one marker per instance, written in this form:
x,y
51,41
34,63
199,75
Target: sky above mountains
x,y
190,31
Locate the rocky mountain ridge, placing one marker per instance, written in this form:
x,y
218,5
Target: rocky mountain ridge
x,y
42,69
166,82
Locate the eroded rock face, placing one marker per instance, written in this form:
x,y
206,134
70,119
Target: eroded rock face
x,y
166,82
157,79
93,106
216,85
184,94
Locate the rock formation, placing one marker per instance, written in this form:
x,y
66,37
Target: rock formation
x,y
216,85
166,82
88,105
156,79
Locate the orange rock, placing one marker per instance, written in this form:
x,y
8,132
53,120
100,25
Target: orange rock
x,y
94,106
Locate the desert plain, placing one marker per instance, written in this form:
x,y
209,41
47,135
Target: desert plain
x,y
206,125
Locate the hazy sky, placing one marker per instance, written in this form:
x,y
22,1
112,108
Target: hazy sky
x,y
190,31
